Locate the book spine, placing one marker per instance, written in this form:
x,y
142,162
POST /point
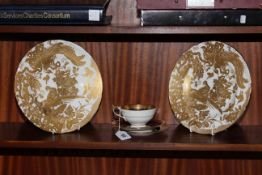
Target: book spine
x,y
201,17
51,15
198,4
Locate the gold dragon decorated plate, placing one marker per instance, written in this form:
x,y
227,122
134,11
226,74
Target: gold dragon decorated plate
x,y
58,86
209,87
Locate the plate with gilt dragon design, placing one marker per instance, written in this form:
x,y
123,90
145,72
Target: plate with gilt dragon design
x,y
58,86
209,87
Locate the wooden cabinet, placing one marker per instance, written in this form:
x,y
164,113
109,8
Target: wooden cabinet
x,y
135,63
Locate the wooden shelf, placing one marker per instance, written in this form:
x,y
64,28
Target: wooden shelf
x,y
135,63
101,136
131,29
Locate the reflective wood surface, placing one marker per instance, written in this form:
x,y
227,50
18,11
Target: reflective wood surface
x,y
102,137
135,63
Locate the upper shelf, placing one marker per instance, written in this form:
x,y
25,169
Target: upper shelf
x,y
101,136
131,29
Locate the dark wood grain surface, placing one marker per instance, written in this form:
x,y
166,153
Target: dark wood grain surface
x,y
102,136
135,63
100,166
23,29
132,72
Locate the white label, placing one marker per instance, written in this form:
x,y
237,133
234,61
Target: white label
x,y
200,3
94,15
122,135
243,19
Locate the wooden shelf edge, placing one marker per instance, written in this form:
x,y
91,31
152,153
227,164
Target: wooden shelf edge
x,y
27,29
101,136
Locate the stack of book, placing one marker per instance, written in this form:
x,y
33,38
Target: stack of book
x,y
200,12
60,12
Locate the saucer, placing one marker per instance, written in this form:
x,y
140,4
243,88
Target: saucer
x,y
152,127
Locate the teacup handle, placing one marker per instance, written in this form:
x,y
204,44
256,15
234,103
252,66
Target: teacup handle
x,y
115,109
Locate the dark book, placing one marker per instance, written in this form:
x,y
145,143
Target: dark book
x,y
201,17
55,13
198,4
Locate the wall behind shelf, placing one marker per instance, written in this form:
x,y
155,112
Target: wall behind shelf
x,y
124,13
132,72
147,64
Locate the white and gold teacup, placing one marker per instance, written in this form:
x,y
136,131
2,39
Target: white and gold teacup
x,y
137,114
